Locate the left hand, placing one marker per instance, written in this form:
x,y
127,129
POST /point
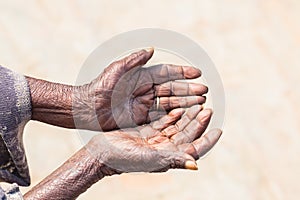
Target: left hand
x,y
125,95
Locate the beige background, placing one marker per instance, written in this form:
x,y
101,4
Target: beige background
x,y
255,46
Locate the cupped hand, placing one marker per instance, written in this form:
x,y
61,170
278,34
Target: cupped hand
x,y
174,141
127,95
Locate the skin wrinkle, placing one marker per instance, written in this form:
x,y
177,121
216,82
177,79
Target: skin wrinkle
x,y
171,89
134,60
90,106
185,102
168,73
188,90
186,135
170,131
202,144
123,112
152,79
46,104
69,181
190,116
138,78
83,98
201,124
121,151
132,115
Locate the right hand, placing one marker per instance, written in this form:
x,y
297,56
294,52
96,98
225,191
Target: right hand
x,y
174,141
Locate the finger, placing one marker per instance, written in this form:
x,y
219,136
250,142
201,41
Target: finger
x,y
169,103
176,160
155,115
169,131
188,116
194,129
166,72
173,88
184,161
169,119
201,146
133,60
163,121
147,131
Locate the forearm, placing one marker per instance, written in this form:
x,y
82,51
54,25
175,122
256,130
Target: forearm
x,y
74,177
51,102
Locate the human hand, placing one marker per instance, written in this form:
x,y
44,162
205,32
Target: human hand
x,y
174,141
125,94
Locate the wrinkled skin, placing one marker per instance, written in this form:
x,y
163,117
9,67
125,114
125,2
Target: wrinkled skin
x,y
163,144
124,95
174,141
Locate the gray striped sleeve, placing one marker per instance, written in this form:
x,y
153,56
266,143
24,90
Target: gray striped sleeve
x,y
11,193
15,112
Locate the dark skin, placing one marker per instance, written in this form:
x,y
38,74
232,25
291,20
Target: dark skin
x,y
174,141
122,96
121,101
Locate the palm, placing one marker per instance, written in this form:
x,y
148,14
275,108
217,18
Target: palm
x,y
125,94
163,144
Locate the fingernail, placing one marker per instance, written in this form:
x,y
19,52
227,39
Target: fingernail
x,y
177,111
199,71
150,49
191,72
207,113
201,99
205,89
191,165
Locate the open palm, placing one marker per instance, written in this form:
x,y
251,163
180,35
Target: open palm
x,y
125,94
174,141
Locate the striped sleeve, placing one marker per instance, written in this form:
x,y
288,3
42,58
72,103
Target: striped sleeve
x,y
15,112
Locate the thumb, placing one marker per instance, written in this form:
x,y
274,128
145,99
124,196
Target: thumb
x,y
134,60
181,160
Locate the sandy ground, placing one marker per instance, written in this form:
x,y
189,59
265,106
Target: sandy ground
x,y
255,46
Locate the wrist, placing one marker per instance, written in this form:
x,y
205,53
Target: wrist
x,y
63,105
90,106
51,102
70,180
100,155
83,108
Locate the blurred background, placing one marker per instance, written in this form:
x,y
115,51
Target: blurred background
x,y
255,46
